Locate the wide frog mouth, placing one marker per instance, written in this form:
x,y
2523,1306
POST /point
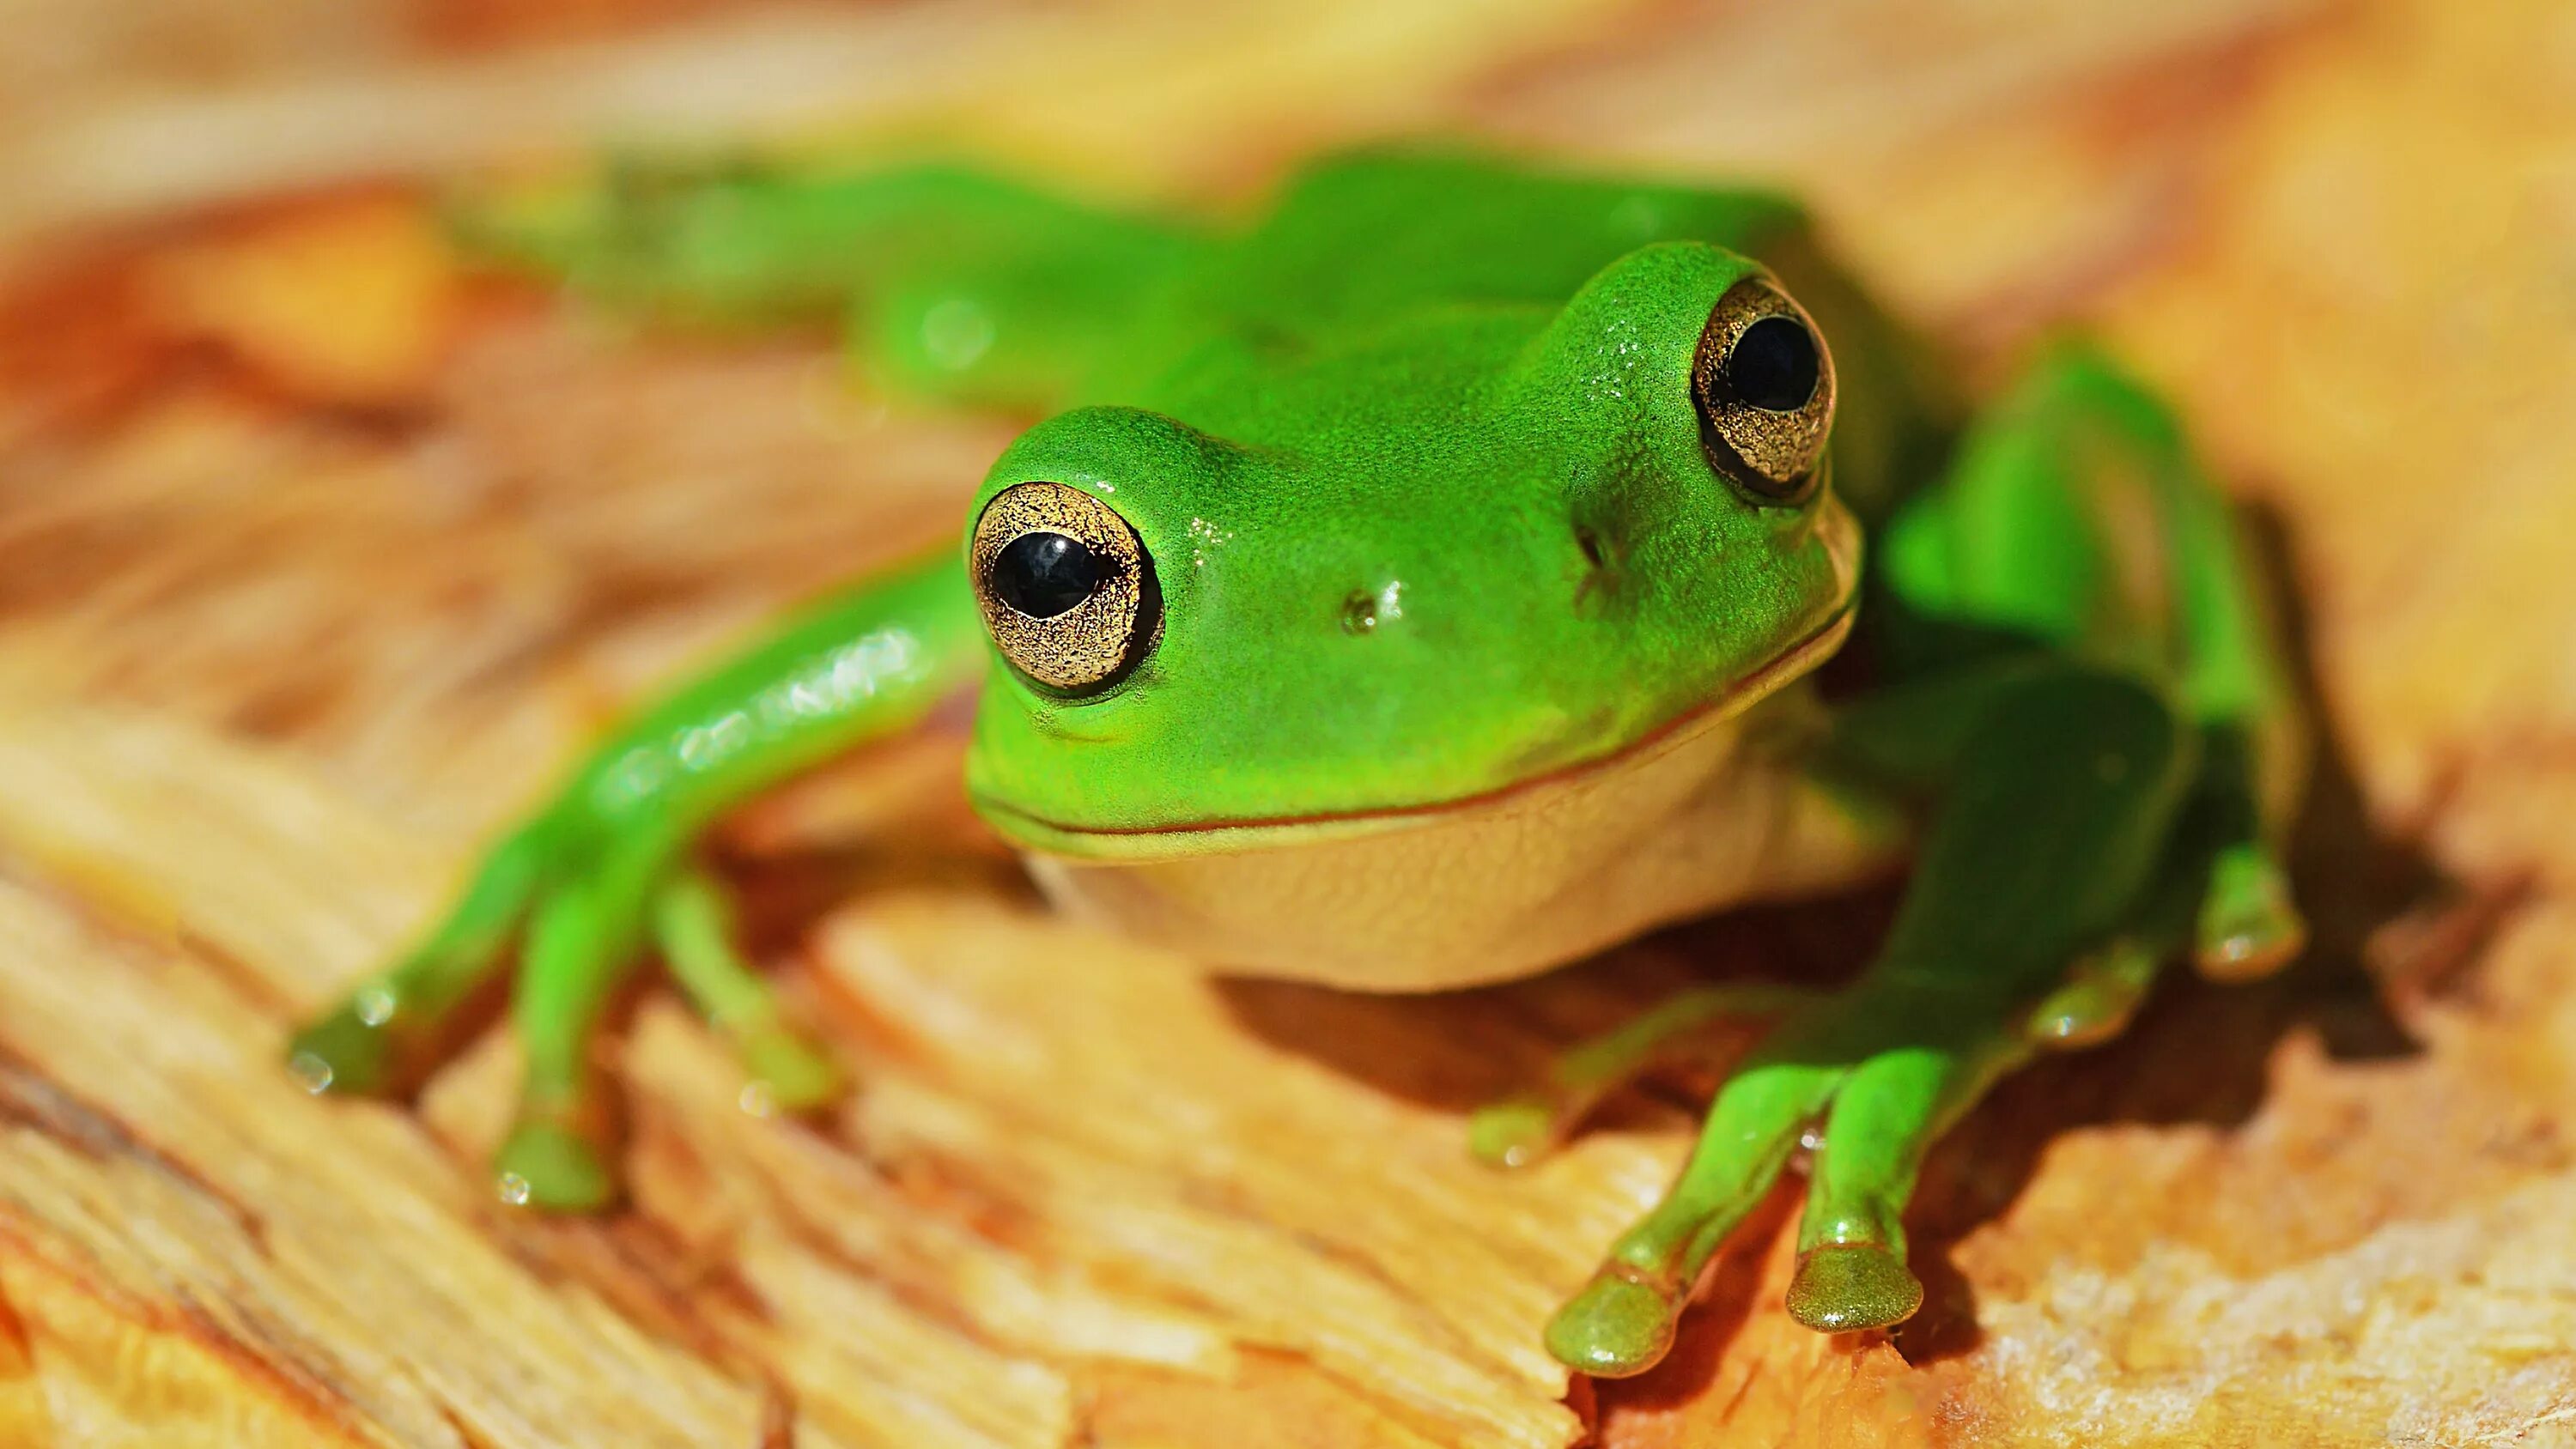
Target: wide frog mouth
x,y
1840,534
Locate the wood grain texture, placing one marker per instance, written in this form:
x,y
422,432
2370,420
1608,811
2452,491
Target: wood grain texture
x,y
318,558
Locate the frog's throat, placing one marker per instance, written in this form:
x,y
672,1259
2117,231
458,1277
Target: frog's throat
x,y
1144,843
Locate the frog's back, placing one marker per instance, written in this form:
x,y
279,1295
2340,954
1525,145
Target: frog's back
x,y
1363,242
1358,239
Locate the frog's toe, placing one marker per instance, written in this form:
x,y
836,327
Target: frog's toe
x,y
551,1166
1621,1324
1846,1287
788,1072
1514,1132
2100,995
352,1051
2249,925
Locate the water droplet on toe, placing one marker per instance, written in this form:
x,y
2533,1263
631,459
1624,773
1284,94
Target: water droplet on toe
x,y
375,1005
310,1072
513,1189
757,1099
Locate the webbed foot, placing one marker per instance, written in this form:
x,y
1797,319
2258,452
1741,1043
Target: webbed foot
x,y
1883,1069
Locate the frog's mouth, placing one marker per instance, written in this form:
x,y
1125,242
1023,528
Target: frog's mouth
x,y
1142,843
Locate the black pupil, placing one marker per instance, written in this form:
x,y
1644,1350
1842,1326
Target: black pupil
x,y
1044,574
1773,366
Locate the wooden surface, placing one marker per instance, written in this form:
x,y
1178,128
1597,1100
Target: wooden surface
x,y
316,560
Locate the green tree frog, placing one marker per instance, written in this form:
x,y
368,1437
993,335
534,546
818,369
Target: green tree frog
x,y
1421,585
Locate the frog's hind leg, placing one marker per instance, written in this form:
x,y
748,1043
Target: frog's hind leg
x,y
959,284
2046,840
388,1032
1521,1128
2077,518
694,924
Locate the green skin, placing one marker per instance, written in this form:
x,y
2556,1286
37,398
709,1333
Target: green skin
x,y
1471,380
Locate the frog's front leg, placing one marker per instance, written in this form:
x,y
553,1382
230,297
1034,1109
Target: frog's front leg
x,y
1519,1129
582,941
2058,814
603,872
693,924
581,947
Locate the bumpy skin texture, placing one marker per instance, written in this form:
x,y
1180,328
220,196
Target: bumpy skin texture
x,y
1419,466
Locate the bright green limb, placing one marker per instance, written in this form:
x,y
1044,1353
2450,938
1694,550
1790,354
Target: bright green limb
x,y
1521,1128
381,1038
969,287
2248,925
2047,838
1622,1322
2076,519
1851,1243
2051,836
581,944
693,921
851,669
581,878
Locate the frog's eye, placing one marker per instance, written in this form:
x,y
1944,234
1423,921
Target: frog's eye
x,y
1764,387
1066,587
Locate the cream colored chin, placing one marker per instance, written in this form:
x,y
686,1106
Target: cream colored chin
x,y
1708,817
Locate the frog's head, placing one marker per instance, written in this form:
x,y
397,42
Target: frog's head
x,y
1351,583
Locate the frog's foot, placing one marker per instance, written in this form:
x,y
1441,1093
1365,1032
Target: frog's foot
x,y
360,1049
1851,1287
584,936
2249,926
588,912
2101,994
785,1069
556,1159
390,1032
1884,1070
1524,1127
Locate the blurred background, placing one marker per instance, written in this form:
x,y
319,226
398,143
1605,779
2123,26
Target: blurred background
x,y
320,552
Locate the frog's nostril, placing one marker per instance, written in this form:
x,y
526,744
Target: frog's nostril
x,y
1359,612
1590,542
